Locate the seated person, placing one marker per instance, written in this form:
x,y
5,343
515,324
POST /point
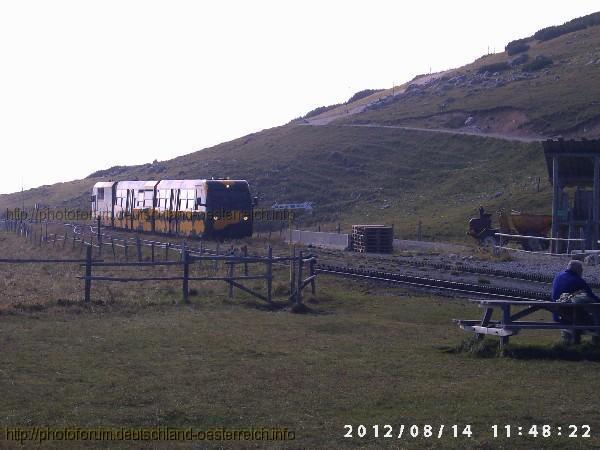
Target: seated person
x,y
570,281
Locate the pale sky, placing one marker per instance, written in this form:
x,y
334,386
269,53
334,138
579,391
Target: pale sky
x,y
85,85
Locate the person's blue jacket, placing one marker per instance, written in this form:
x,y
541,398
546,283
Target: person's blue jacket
x,y
568,282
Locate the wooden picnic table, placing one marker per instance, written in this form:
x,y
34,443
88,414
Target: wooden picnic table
x,y
510,324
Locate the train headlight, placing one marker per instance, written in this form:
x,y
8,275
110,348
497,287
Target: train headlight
x,y
245,217
215,218
227,186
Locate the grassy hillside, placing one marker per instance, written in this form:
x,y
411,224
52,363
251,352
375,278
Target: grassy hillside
x,y
358,174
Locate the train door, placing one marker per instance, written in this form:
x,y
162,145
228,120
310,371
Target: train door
x,y
176,193
130,208
200,219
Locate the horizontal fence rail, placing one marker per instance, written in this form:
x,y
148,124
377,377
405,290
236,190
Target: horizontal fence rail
x,y
93,240
506,237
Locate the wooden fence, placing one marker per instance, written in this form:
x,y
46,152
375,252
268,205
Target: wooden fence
x,y
302,269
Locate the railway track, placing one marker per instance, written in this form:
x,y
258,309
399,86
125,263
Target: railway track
x,y
429,283
474,270
433,283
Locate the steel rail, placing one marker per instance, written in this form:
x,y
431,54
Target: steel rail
x,y
437,284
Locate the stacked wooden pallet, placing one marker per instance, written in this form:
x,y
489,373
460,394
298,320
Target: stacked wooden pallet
x,y
372,238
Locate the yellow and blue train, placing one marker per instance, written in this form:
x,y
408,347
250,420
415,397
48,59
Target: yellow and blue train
x,y
211,209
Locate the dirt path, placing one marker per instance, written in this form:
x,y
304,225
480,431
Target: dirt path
x,y
344,111
506,137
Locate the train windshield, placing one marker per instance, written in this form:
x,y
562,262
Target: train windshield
x,y
231,199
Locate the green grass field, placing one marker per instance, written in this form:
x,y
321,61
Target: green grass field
x,y
366,354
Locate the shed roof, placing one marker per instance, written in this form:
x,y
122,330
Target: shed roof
x,y
575,160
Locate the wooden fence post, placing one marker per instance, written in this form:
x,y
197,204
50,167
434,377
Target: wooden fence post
x,y
299,279
216,262
230,272
292,270
152,250
138,245
112,244
186,276
167,251
313,285
245,255
126,250
88,273
269,275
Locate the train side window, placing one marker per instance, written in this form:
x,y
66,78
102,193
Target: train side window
x,y
100,194
163,198
120,197
148,198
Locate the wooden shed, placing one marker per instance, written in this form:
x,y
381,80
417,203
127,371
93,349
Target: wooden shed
x,y
574,172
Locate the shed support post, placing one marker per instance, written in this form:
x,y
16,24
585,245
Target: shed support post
x,y
556,199
596,207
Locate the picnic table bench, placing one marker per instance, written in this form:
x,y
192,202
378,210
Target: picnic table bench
x,y
509,323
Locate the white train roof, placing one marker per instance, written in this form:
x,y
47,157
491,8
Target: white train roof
x,y
104,184
160,184
139,185
179,184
